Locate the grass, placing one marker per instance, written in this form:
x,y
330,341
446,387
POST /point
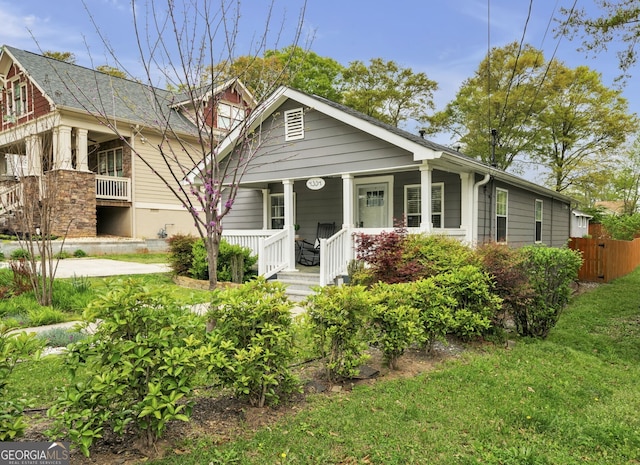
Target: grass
x,y
138,257
570,399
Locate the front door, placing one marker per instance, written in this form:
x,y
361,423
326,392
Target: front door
x,y
373,205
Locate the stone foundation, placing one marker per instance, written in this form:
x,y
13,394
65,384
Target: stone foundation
x,y
75,202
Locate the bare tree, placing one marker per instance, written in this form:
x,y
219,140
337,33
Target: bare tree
x,y
30,208
180,43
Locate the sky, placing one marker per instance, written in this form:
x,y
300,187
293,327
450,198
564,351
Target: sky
x,y
444,39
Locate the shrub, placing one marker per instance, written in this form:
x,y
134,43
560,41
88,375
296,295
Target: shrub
x,y
62,255
72,295
551,271
473,303
1,255
234,262
251,341
180,253
79,253
138,368
507,267
20,254
394,325
13,348
338,317
45,316
437,254
435,307
623,227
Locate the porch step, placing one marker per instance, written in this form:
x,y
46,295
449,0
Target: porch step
x,y
298,284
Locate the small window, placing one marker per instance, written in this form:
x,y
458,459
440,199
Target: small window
x,y
413,205
276,210
502,200
538,221
293,124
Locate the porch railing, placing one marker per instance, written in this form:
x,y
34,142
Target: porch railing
x,y
9,198
247,238
273,254
335,254
113,188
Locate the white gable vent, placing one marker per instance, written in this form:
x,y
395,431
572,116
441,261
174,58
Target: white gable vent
x,y
293,124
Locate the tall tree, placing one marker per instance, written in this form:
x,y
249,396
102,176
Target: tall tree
x,y
619,24
387,92
582,123
181,41
504,94
112,71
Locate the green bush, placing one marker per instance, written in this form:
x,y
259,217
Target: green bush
x,y
62,255
180,253
138,369
623,227
45,316
79,253
475,304
438,254
394,325
72,295
18,254
338,316
251,341
228,256
13,348
435,307
551,272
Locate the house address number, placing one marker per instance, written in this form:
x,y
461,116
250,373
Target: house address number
x,y
315,184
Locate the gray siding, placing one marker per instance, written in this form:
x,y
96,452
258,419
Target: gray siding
x,y
246,212
321,206
329,147
521,217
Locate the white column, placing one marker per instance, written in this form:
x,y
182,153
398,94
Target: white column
x,y
348,200
467,209
426,224
34,155
62,148
265,209
82,157
288,223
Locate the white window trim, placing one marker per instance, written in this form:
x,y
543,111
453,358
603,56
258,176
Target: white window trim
x,y
270,217
26,109
506,216
294,124
232,113
535,219
439,185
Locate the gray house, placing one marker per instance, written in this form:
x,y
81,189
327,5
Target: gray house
x,y
321,162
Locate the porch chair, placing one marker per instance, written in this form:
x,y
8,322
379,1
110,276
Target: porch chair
x,y
309,254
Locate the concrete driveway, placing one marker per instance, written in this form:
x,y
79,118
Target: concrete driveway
x,y
69,267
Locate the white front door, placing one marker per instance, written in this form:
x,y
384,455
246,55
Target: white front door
x,y
373,205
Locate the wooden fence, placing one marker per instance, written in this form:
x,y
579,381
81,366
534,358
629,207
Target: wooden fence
x,y
606,259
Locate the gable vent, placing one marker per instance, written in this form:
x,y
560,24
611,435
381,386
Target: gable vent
x,y
293,124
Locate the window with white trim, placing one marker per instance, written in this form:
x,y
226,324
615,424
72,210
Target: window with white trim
x,y
16,103
502,202
276,210
413,205
110,163
229,116
538,225
294,124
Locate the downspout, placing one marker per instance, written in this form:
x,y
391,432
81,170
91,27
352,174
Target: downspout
x,y
474,219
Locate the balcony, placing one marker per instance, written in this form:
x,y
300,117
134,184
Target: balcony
x,y
112,188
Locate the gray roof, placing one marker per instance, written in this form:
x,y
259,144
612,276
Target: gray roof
x,y
72,86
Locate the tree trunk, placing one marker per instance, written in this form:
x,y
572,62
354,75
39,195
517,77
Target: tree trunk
x,y
213,247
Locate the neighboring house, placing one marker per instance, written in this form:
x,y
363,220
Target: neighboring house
x,y
321,162
580,223
49,127
610,207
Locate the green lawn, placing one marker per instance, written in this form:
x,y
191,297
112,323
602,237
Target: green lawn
x,y
571,399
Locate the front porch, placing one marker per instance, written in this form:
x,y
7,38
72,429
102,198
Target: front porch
x,y
276,249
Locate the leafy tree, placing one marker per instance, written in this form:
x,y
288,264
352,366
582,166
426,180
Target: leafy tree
x,y
619,24
583,122
67,57
503,94
112,71
387,92
624,182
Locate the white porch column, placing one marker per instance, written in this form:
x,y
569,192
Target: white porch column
x,y
62,148
426,224
348,199
265,209
82,157
288,224
467,209
34,155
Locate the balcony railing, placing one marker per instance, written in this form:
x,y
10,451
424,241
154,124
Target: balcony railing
x,y
112,188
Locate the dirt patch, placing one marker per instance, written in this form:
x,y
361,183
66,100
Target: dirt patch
x,y
221,418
